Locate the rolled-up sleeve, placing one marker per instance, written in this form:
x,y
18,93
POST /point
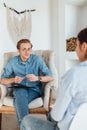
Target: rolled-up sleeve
x,y
7,71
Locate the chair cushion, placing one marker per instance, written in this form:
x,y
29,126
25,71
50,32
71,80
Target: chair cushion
x,y
1,102
8,101
38,102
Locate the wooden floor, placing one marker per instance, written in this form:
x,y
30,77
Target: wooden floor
x,y
9,122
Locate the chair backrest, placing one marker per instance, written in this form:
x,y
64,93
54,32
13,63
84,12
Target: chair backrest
x,y
80,120
47,56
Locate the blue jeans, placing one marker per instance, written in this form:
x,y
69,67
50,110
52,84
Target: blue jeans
x,y
33,123
22,97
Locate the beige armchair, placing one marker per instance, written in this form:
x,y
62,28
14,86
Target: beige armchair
x,y
40,105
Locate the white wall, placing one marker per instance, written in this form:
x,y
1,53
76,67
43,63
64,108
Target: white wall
x,y
72,22
40,35
83,14
60,46
41,24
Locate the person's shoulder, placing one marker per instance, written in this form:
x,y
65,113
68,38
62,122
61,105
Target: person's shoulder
x,y
69,75
80,68
35,57
69,72
73,72
13,59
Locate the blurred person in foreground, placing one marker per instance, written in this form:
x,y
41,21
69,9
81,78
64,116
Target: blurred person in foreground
x,y
71,94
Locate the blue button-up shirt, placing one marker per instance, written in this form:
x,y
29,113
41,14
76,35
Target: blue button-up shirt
x,y
34,65
71,94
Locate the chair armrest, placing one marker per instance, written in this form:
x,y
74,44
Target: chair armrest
x,y
3,91
51,84
47,95
53,70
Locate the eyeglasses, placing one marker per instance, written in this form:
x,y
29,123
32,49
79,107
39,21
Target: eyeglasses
x,y
24,49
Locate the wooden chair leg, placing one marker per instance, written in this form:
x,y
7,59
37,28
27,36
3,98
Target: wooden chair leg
x,y
0,120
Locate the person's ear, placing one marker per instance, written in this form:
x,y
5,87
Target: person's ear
x,y
84,46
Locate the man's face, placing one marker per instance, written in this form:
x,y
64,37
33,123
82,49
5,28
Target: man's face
x,y
25,51
81,50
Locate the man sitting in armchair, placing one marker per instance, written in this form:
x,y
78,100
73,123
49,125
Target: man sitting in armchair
x,y
23,72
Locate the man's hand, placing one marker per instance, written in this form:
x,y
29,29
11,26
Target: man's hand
x,y
32,77
18,79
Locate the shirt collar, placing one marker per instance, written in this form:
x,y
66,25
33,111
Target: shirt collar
x,y
84,63
28,60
